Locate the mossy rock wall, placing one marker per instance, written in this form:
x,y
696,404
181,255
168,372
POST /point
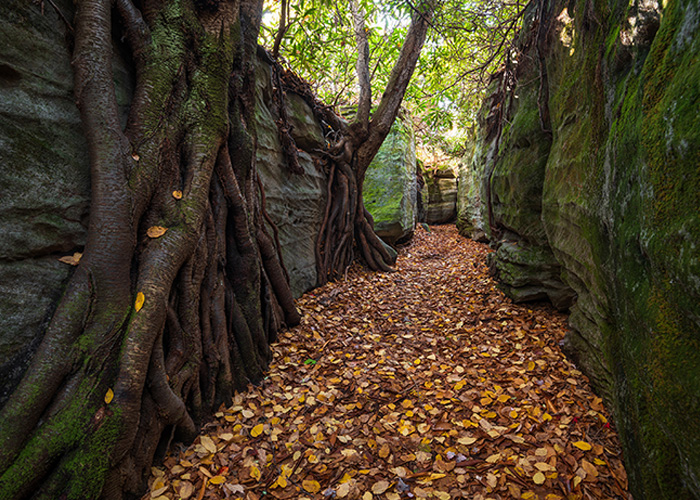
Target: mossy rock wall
x,y
390,186
505,174
620,213
45,178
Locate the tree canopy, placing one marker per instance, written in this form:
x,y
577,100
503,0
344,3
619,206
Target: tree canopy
x,y
467,42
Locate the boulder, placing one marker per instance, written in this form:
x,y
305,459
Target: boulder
x,y
390,186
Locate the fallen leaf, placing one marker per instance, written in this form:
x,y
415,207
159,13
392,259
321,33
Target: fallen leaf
x,y
140,299
582,445
73,260
466,440
109,395
311,485
538,478
177,194
186,490
257,430
217,480
380,487
156,231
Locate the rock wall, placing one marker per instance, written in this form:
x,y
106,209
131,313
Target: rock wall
x,y
591,165
439,196
295,202
45,178
390,189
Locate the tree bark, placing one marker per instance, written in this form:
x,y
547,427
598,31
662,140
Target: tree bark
x,y
170,325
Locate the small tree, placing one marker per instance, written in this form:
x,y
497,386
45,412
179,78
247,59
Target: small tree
x,y
347,226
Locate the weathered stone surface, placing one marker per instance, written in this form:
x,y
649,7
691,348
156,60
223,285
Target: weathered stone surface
x,y
439,197
474,172
617,185
296,203
390,188
44,179
510,187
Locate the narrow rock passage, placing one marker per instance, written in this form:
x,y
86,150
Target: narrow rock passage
x,y
423,383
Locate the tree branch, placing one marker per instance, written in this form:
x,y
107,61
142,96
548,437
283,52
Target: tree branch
x,y
399,79
282,29
361,122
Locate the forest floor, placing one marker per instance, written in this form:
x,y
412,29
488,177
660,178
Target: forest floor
x,y
423,383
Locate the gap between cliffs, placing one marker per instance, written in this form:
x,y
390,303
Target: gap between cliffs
x,y
423,383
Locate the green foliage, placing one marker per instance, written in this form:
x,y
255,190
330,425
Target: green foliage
x,y
468,41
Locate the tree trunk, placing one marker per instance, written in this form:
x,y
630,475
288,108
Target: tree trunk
x,y
153,332
348,227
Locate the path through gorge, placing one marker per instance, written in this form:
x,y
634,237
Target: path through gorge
x,y
422,383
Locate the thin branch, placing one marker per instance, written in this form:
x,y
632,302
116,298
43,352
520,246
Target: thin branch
x,y
282,29
362,69
60,14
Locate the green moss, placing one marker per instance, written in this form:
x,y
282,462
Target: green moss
x,y
389,183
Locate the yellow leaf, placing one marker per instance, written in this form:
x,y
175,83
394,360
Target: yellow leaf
x,y
311,486
538,478
156,231
582,445
109,396
257,430
281,482
254,472
71,259
140,299
177,194
346,478
208,443
217,480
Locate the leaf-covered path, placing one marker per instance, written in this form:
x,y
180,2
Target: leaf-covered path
x,y
423,383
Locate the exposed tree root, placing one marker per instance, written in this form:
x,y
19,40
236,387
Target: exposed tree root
x,y
114,381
